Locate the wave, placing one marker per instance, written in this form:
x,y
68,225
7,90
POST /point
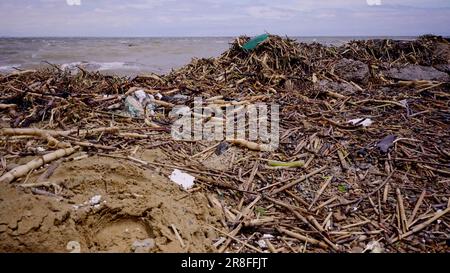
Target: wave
x,y
112,65
9,68
100,66
70,66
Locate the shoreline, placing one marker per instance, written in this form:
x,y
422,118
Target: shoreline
x,y
129,61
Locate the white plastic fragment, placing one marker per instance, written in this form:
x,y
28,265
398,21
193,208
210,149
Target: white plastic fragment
x,y
364,122
374,247
140,95
143,246
262,244
267,236
95,200
139,104
183,179
73,247
133,107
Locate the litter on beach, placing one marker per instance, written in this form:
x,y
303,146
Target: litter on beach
x,y
361,162
366,122
183,179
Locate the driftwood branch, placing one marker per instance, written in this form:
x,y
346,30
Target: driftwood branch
x,y
35,163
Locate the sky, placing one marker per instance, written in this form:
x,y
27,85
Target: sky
x,y
120,18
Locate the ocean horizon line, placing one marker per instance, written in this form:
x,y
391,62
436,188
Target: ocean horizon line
x,y
225,36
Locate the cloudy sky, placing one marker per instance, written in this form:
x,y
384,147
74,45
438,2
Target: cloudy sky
x,y
223,17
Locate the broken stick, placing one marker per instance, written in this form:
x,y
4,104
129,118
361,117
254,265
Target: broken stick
x,y
36,163
303,178
421,226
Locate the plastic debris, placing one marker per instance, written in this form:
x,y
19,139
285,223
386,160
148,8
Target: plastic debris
x,y
277,71
73,247
143,246
262,244
365,122
253,43
140,104
222,148
386,143
374,247
133,107
140,95
183,179
95,200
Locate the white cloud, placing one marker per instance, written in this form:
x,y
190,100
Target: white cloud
x,y
73,2
374,2
219,17
144,4
265,12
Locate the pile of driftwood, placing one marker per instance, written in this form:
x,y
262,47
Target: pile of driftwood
x,y
364,156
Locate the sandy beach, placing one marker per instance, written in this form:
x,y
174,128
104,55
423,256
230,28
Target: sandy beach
x,y
87,160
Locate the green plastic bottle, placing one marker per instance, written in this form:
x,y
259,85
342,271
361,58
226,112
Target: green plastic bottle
x,y
253,43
